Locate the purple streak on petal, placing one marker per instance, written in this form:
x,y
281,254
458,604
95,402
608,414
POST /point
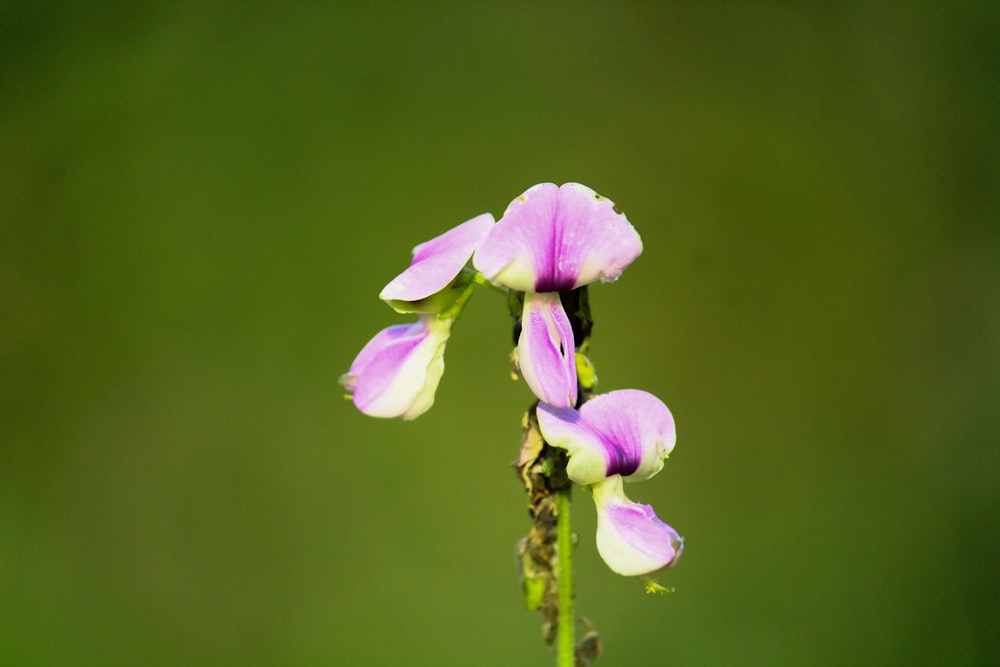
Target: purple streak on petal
x,y
378,363
553,239
519,248
560,425
588,451
637,427
436,262
546,352
631,539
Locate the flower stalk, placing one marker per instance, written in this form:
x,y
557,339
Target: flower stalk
x,y
564,576
551,242
546,553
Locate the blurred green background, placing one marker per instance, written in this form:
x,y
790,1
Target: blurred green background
x,y
200,202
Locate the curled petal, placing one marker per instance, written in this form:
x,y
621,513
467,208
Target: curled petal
x,y
553,239
637,429
397,372
630,537
626,432
588,452
545,350
435,265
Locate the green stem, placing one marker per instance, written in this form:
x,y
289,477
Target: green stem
x,y
453,311
564,577
480,279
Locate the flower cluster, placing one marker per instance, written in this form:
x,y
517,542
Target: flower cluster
x,y
550,240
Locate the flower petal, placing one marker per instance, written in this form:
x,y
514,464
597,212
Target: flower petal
x,y
519,248
553,239
630,537
588,452
436,263
637,428
626,432
397,372
597,243
545,350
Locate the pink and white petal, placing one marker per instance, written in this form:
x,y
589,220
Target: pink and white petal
x,y
639,427
545,350
437,262
588,452
631,539
397,373
593,241
519,248
397,340
432,362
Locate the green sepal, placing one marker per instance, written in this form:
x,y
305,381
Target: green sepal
x,y
447,303
435,303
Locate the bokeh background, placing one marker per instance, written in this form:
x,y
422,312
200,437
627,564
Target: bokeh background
x,y
199,203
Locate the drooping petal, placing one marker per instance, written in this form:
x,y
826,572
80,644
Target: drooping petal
x,y
638,430
626,432
631,539
588,452
553,239
435,265
397,372
545,350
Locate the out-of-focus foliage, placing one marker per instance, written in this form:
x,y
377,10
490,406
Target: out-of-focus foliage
x,y
199,203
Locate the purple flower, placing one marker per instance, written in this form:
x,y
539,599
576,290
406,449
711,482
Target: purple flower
x,y
422,288
397,372
630,537
554,239
626,432
618,436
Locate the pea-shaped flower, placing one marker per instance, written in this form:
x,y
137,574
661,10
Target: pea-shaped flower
x,y
626,432
621,435
397,372
554,239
